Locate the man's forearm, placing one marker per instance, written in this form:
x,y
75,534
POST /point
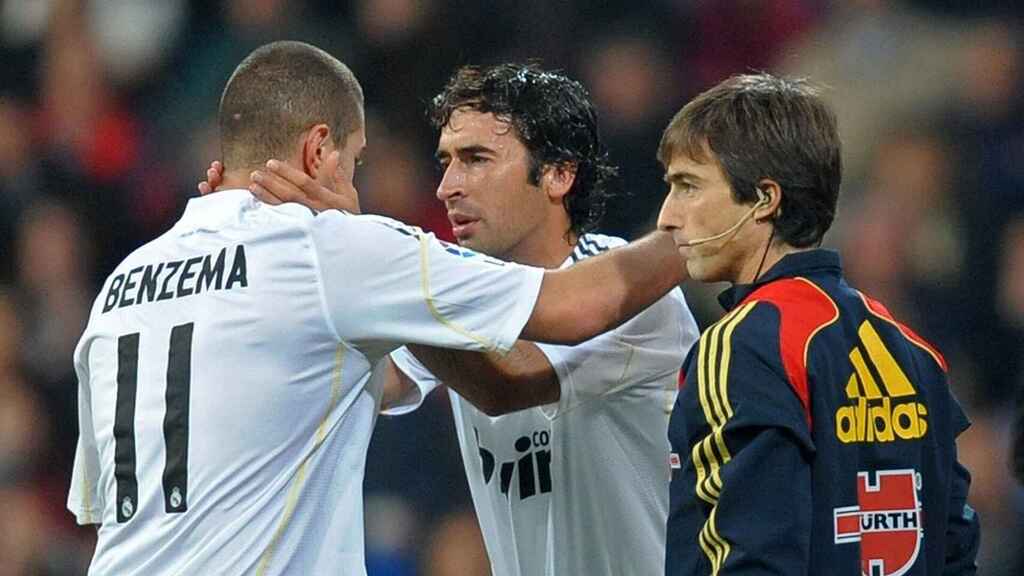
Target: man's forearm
x,y
599,293
495,384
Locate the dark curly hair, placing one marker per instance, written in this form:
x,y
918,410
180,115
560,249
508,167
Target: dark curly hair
x,y
552,116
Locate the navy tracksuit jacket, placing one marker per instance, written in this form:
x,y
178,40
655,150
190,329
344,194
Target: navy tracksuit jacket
x,y
814,434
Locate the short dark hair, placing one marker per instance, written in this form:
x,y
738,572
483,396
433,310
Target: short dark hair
x,y
760,126
552,116
280,90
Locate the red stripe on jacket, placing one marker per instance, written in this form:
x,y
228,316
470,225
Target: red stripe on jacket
x,y
804,309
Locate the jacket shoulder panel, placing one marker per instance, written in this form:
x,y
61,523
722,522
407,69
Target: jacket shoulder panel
x,y
804,310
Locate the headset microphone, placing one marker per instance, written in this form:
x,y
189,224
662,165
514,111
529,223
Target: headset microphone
x,y
763,199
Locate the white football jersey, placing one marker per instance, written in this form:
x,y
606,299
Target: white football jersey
x,y
225,392
580,486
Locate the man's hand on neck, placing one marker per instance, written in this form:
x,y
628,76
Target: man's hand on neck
x,y
235,179
217,179
278,182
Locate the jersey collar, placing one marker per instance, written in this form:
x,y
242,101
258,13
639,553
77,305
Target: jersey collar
x,y
817,262
587,245
225,207
216,208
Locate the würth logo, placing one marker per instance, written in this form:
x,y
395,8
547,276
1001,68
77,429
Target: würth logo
x,y
882,409
532,466
886,522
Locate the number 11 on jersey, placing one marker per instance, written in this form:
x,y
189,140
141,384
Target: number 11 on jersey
x,y
179,379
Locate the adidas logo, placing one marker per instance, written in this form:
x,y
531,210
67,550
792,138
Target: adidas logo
x,y
882,409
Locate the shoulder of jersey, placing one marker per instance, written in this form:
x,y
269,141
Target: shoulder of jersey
x,y
592,244
367,222
396,225
418,233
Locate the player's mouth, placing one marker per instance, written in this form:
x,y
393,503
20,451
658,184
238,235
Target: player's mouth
x,y
463,226
683,246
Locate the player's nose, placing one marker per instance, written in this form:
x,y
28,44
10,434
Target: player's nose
x,y
668,216
453,183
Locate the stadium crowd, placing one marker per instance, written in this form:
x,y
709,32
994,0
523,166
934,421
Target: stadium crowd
x,y
108,120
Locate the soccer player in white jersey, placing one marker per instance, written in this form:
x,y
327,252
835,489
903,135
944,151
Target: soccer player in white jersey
x,y
565,447
225,391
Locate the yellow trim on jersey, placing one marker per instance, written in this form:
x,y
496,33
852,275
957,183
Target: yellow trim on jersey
x,y
703,446
715,406
300,476
716,402
723,381
425,284
721,546
711,549
698,465
713,361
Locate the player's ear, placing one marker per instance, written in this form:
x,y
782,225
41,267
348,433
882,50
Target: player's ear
x,y
769,196
557,180
316,145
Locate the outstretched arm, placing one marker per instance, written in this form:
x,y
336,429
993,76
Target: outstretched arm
x,y
495,384
575,304
602,292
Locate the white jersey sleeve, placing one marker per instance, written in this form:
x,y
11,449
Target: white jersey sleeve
x,y
386,283
644,349
424,382
85,499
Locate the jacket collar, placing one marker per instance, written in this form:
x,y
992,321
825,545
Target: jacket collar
x,y
817,262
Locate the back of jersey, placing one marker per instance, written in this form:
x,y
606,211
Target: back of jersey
x,y
224,424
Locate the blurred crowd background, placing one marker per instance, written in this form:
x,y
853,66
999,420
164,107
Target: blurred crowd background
x,y
107,122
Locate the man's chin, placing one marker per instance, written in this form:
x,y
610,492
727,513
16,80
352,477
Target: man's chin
x,y
700,270
477,244
471,242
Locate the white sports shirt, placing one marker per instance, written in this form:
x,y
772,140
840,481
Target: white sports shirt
x,y
225,397
580,487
